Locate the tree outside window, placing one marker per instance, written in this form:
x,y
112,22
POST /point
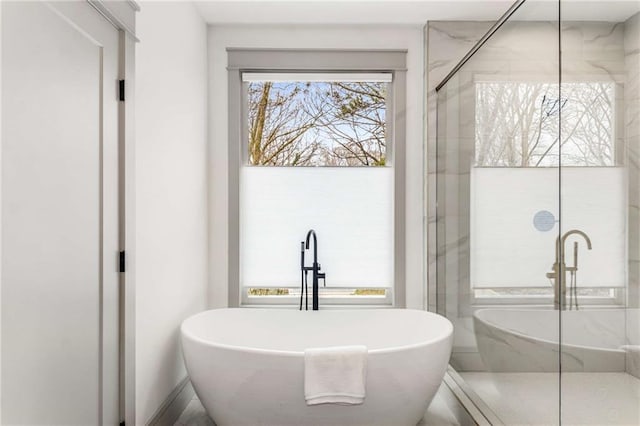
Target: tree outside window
x,y
517,124
317,123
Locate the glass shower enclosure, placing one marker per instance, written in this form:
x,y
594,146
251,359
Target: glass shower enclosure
x,y
533,189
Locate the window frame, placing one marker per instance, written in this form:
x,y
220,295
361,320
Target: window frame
x,y
243,60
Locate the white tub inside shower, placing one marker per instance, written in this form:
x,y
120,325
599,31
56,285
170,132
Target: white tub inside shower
x,y
527,340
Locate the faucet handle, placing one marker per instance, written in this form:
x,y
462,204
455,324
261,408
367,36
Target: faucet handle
x,y
322,276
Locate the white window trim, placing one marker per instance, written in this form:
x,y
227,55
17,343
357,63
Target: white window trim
x,y
245,61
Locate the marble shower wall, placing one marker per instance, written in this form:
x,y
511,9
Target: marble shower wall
x,y
447,42
519,50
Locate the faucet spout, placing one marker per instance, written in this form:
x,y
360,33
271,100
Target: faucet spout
x,y
315,244
560,242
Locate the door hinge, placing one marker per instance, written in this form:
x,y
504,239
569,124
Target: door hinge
x,y
121,90
121,261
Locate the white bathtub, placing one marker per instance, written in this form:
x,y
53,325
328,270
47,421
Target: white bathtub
x,y
526,340
247,365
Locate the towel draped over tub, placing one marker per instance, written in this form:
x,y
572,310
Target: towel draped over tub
x,y
335,375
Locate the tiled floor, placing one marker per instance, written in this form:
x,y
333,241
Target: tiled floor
x,y
532,398
438,413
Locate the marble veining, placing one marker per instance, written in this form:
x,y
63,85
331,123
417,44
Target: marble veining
x,y
618,26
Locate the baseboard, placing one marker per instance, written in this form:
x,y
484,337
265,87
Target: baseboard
x,y
479,411
174,405
455,406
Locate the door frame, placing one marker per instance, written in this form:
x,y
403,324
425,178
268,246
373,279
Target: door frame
x,y
122,16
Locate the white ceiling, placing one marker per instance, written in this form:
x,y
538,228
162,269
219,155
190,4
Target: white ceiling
x,y
404,12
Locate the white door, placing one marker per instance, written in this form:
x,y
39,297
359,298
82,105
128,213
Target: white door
x,y
59,174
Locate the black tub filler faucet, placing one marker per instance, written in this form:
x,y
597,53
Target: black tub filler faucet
x,y
314,268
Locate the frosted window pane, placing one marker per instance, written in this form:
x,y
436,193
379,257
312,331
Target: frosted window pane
x,y
350,209
508,251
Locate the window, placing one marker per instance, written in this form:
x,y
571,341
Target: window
x,y
517,124
517,149
318,148
317,120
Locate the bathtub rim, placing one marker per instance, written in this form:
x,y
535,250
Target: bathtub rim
x,y
536,338
248,349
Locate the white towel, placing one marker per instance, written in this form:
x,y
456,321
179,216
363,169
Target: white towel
x,y
335,375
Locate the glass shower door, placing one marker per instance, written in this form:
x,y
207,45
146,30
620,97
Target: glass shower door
x,y
600,194
498,215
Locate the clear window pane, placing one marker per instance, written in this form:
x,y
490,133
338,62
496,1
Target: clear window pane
x,y
317,123
517,124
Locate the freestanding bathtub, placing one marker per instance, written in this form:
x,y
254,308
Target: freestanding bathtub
x,y
247,365
526,340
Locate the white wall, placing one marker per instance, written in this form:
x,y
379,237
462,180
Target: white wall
x,y
312,36
171,182
0,210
